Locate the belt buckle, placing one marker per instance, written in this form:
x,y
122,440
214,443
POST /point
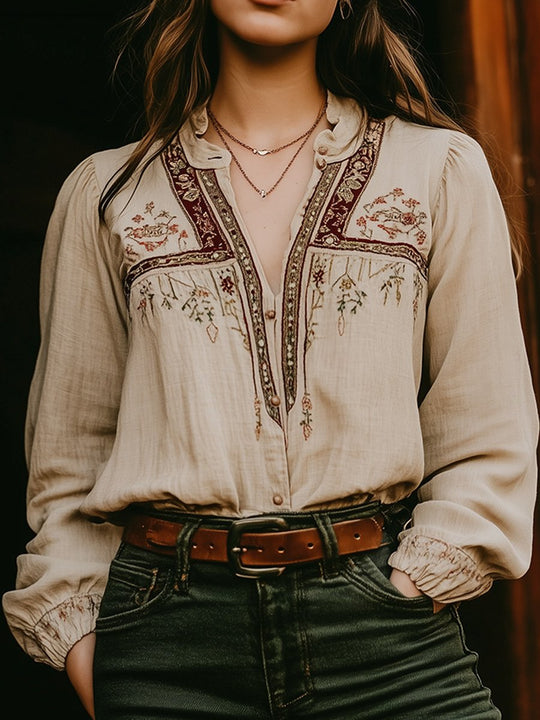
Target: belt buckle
x,y
234,547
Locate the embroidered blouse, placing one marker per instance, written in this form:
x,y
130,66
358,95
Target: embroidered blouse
x,y
391,360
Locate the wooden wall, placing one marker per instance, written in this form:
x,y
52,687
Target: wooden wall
x,y
489,57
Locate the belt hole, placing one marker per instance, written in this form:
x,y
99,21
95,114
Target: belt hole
x,y
311,545
260,548
281,549
357,536
211,546
194,545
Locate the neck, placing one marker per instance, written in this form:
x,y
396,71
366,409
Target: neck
x,y
266,94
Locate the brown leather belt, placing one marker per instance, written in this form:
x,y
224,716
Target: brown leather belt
x,y
255,546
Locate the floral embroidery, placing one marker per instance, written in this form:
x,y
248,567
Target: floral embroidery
x,y
350,283
146,303
396,215
349,298
184,179
349,280
355,179
230,302
395,277
194,189
153,233
314,298
227,285
347,290
209,304
185,183
292,286
175,260
356,175
200,307
253,287
305,424
314,301
202,303
131,254
393,284
418,292
258,422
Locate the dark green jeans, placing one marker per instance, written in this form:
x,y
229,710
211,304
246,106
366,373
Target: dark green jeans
x,y
332,641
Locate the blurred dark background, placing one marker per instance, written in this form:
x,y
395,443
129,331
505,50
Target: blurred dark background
x,y
59,107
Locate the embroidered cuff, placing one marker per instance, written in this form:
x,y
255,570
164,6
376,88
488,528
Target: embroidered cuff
x,y
60,628
444,572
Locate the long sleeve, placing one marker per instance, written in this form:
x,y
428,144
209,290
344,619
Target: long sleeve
x,y
473,523
71,421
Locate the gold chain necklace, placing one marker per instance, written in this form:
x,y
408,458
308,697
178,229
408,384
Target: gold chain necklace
x,y
304,137
256,151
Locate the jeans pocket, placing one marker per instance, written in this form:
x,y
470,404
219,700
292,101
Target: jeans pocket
x,y
369,573
138,581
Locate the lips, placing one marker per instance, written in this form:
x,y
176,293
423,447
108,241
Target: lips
x,y
272,3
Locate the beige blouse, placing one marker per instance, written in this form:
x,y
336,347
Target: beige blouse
x,y
392,359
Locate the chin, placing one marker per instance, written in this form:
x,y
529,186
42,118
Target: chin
x,y
274,23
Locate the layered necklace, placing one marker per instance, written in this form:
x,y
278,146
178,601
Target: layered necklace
x,y
302,139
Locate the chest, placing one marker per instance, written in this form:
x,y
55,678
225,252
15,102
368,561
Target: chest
x,y
316,222
268,219
351,270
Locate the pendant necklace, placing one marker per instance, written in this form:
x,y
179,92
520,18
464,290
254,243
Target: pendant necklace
x,y
222,132
256,151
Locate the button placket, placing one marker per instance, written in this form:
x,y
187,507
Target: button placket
x,y
279,483
271,316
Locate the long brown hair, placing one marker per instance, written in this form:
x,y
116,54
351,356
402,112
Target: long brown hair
x,y
366,56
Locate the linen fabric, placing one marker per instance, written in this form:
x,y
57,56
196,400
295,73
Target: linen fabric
x,y
391,361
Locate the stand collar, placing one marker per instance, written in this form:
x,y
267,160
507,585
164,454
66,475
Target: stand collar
x,y
347,118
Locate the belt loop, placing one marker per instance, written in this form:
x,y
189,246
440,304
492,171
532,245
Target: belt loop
x,y
397,515
330,562
183,552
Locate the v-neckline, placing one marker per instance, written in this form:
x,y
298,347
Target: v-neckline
x,y
227,189
214,213
296,219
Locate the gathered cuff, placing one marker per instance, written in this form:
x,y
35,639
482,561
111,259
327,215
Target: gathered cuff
x,y
60,628
448,574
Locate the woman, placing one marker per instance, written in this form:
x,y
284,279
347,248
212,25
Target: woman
x,y
282,383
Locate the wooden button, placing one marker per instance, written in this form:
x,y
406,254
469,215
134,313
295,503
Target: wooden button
x,y
278,500
270,314
275,400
